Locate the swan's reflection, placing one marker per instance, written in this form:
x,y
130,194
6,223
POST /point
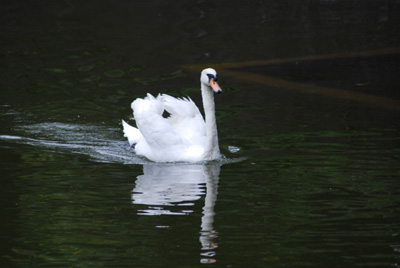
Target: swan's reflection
x,y
177,187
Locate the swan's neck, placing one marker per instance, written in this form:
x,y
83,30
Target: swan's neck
x,y
212,148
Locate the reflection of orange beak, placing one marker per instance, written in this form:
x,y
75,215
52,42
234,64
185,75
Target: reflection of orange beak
x,y
214,85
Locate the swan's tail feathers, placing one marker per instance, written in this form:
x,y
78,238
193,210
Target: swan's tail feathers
x,y
133,134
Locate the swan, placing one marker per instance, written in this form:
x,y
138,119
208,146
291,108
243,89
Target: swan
x,y
184,136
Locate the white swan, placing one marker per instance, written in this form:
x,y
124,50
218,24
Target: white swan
x,y
184,135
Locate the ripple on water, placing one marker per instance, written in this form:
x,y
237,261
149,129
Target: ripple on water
x,y
99,142
102,144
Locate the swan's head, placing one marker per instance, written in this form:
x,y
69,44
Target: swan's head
x,y
209,78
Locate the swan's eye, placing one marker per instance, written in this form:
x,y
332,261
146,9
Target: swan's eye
x,y
213,77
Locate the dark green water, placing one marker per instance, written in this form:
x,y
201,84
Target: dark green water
x,y
307,180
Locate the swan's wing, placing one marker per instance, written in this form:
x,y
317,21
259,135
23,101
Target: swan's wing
x,y
185,117
147,105
156,130
179,107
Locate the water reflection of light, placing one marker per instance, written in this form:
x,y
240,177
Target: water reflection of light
x,y
168,185
163,187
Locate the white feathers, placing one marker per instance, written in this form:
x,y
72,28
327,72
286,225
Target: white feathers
x,y
133,134
182,136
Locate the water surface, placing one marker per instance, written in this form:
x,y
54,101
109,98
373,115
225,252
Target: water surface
x,y
307,180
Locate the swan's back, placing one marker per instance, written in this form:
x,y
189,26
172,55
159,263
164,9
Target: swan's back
x,y
185,118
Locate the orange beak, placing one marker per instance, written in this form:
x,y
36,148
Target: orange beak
x,y
214,85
